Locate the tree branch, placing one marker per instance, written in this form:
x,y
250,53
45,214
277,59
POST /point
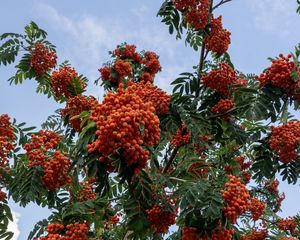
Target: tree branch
x,y
173,155
220,3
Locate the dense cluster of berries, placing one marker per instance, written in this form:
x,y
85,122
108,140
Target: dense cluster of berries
x,y
85,192
42,59
55,228
151,63
241,160
56,171
129,64
256,235
182,137
236,197
223,107
287,224
244,168
113,220
257,208
6,140
125,123
184,4
218,39
123,69
221,234
197,16
75,106
241,82
272,186
285,140
105,73
65,79
279,74
150,93
72,231
189,233
220,79
160,219
127,52
146,78
39,145
2,195
55,167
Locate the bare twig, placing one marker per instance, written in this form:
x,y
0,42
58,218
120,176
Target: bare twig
x,y
220,3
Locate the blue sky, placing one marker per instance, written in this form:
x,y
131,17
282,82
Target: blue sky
x,y
84,32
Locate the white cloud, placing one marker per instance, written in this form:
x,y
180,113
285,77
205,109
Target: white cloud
x,y
275,16
13,226
92,38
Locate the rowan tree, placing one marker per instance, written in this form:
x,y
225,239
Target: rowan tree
x,y
203,160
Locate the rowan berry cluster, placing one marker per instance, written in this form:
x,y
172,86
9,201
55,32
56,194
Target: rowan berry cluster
x,y
69,232
42,59
236,197
244,168
182,137
3,195
85,192
272,186
125,124
223,234
257,208
220,79
184,4
241,160
279,74
39,145
75,106
287,224
113,220
223,107
123,69
56,171
256,235
241,82
55,228
63,79
160,219
6,140
218,40
189,233
150,93
127,52
285,140
55,167
146,78
128,64
197,15
151,63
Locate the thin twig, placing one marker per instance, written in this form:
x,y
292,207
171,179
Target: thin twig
x,y
220,3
